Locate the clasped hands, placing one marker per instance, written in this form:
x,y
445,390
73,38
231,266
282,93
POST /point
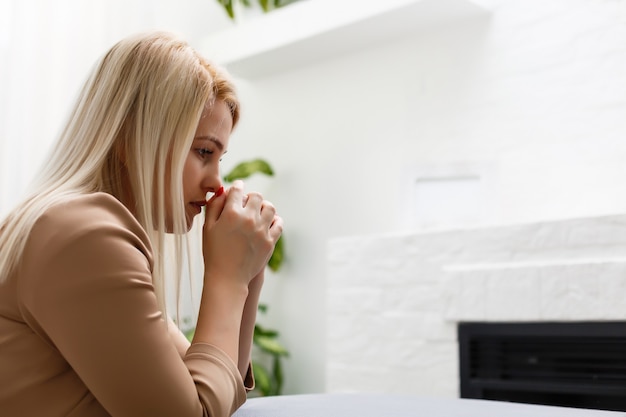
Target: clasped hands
x,y
239,234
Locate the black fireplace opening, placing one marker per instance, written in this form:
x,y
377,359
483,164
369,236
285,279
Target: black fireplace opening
x,y
569,364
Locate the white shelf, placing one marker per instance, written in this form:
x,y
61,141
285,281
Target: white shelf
x,y
314,30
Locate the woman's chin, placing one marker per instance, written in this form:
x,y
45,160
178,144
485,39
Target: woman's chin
x,y
189,221
169,227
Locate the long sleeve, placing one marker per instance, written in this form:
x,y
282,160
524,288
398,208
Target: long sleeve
x,y
85,288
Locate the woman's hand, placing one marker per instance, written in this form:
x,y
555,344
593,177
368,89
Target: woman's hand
x,y
239,235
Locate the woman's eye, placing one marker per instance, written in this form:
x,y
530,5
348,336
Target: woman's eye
x,y
204,153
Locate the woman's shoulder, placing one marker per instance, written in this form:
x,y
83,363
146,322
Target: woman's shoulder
x,y
87,214
90,208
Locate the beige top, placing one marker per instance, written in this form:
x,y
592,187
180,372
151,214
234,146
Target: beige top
x,y
81,333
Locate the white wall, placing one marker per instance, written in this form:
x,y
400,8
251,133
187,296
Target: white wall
x,y
538,91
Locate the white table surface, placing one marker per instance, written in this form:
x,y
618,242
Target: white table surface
x,y
383,405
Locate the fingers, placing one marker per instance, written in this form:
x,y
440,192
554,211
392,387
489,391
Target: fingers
x,y
236,195
267,211
233,198
276,228
254,200
236,201
214,207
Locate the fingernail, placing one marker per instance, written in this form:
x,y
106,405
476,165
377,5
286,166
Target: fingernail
x,y
219,191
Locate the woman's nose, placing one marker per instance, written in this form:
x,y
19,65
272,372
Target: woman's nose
x,y
212,180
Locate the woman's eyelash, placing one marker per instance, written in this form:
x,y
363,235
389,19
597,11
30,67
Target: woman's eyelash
x,y
204,152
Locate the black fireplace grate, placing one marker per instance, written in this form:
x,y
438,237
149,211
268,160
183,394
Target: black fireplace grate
x,y
577,364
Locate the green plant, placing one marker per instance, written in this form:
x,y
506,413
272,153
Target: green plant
x,y
268,374
266,5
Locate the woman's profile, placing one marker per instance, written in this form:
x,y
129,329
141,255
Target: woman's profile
x,y
83,323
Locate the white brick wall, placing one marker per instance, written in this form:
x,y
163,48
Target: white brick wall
x,y
394,301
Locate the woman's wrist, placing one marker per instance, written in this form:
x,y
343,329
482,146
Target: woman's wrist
x,y
229,284
256,284
219,317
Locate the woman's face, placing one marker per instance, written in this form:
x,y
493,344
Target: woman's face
x,y
201,173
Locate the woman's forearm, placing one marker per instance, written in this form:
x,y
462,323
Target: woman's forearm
x,y
219,318
248,321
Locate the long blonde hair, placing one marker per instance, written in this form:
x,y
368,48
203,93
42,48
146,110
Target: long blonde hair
x,y
132,127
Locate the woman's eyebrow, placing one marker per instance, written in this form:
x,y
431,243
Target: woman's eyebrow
x,y
213,139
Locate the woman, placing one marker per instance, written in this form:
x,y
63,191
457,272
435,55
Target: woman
x,y
82,260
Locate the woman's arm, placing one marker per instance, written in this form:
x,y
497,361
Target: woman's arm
x,y
239,234
247,323
88,292
178,338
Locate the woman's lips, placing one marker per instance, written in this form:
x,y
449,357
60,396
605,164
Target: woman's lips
x,y
198,206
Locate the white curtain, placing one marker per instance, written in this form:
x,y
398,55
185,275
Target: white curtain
x,y
47,49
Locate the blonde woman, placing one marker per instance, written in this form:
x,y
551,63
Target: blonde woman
x,y
82,269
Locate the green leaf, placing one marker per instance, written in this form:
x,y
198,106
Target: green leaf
x,y
228,6
278,377
229,10
271,346
189,333
245,169
281,3
262,307
262,379
265,5
260,331
246,3
276,260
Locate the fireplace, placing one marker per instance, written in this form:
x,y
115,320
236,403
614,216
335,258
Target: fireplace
x,y
573,364
395,302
